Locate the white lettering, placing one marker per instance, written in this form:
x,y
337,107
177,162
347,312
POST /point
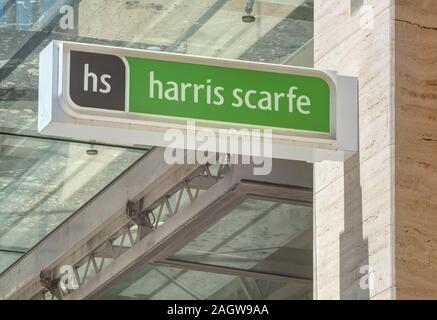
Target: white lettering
x,y
87,74
104,81
67,20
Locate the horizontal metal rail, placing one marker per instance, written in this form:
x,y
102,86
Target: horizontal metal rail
x,y
101,217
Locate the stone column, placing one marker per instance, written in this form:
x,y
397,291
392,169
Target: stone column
x,y
355,201
416,149
379,209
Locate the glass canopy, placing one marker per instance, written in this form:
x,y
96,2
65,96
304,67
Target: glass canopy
x,y
45,180
282,29
42,182
258,235
160,283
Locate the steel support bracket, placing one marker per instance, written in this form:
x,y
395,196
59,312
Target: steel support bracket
x,y
50,283
140,217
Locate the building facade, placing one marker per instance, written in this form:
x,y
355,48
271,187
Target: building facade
x,y
95,220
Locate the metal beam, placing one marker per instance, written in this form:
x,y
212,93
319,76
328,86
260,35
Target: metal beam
x,y
289,262
231,271
90,224
168,239
192,220
82,234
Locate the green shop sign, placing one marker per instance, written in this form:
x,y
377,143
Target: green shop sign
x,y
231,93
130,96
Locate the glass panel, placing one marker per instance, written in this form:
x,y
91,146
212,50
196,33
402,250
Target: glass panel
x,y
7,258
280,28
260,236
208,27
42,182
158,283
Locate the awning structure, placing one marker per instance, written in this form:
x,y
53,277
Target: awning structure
x,y
65,202
166,218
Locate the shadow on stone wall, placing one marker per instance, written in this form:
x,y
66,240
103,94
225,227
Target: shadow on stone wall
x,y
354,252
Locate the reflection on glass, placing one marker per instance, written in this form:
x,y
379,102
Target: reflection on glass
x,y
260,236
208,27
42,182
160,283
7,258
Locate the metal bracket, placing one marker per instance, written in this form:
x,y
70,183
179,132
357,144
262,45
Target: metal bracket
x,y
139,217
50,283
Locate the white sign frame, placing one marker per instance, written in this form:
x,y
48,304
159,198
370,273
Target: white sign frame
x,y
59,116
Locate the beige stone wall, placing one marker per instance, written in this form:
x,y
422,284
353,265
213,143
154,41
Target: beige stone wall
x,y
416,149
354,201
380,208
